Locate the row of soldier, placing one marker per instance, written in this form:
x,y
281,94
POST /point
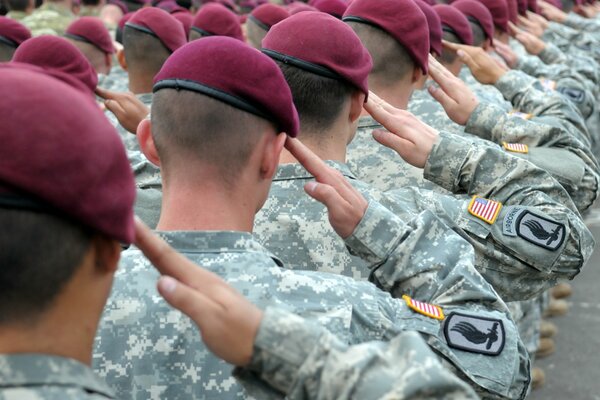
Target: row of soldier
x,y
366,200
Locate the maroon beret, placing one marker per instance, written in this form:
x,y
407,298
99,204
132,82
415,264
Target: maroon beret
x,y
430,2
435,27
61,155
229,70
513,11
124,20
555,3
213,19
53,52
171,6
12,32
68,79
401,19
229,4
319,43
522,7
499,11
453,21
160,24
297,6
186,20
331,7
91,30
533,6
478,13
267,15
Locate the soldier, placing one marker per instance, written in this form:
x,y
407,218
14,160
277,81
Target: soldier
x,y
19,9
12,34
214,19
91,37
221,152
51,52
52,18
456,29
261,19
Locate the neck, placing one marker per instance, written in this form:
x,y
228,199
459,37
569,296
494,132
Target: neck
x,y
397,95
330,145
139,83
206,206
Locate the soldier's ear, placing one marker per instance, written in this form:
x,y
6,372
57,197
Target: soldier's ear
x,y
270,154
121,59
357,100
107,253
146,141
418,78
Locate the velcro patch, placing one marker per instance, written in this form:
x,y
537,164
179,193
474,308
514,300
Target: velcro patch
x,y
509,223
475,334
541,231
427,309
516,147
518,114
548,84
485,209
575,95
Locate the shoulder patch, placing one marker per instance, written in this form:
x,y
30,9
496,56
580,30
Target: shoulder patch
x,y
426,309
475,334
484,209
509,223
575,95
518,114
516,147
541,231
548,84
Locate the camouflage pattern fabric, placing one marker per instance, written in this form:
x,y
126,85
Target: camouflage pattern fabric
x,y
49,19
148,188
40,376
117,80
16,15
147,350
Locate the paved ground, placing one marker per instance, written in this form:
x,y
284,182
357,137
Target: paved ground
x,y
573,372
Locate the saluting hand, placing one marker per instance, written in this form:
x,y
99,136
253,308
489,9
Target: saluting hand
x,y
551,12
454,95
483,67
406,134
508,55
128,109
346,206
227,321
532,27
533,44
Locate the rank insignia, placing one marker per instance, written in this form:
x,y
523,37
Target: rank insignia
x,y
541,231
424,308
548,84
516,147
475,334
485,209
518,114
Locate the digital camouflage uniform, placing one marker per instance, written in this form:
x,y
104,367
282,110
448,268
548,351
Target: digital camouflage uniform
x,y
45,377
520,269
49,19
17,15
148,185
147,350
117,80
318,364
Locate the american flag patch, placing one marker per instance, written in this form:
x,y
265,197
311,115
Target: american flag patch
x,y
424,308
485,209
518,114
516,147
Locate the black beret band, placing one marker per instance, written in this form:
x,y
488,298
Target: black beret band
x,y
305,65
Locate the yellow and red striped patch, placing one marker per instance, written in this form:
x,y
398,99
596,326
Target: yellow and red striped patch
x,y
424,308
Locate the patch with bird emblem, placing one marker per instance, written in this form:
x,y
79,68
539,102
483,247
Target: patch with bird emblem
x,y
426,309
541,231
516,147
484,209
474,334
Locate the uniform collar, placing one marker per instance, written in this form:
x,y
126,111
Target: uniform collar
x,y
30,370
215,242
58,8
292,171
145,98
368,122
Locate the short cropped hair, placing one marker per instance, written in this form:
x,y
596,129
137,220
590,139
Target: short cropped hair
x,y
192,126
40,254
478,34
255,34
6,52
194,35
94,55
17,5
391,61
318,99
449,56
144,53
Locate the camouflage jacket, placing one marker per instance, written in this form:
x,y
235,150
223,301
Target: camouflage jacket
x,y
319,366
520,268
49,19
147,350
16,15
148,184
41,376
117,80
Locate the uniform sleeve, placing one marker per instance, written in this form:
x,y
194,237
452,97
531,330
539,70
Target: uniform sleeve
x,y
519,258
305,361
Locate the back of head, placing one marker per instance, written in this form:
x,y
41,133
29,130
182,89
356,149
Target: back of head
x,y
323,62
57,53
213,99
396,35
261,20
149,37
74,183
435,27
92,38
18,5
456,29
12,34
214,19
480,18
